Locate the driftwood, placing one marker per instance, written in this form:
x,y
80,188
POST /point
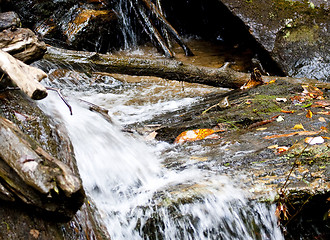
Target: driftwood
x,y
164,68
24,76
22,43
30,174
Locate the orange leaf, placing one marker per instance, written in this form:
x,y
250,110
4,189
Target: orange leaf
x,y
287,111
297,99
312,92
309,114
280,135
194,135
322,103
254,81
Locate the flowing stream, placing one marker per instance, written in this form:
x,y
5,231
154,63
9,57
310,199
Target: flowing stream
x,y
139,195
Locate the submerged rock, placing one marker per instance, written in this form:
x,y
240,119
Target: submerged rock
x,y
294,33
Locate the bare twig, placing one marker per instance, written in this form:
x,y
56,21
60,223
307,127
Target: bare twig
x,y
61,96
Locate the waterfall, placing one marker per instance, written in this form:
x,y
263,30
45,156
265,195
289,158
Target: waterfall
x,y
139,198
124,12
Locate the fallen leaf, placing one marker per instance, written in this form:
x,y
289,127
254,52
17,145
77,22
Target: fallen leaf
x,y
281,99
298,126
287,111
297,99
194,135
254,81
309,114
323,113
314,140
322,103
312,92
261,129
280,135
35,233
322,119
151,136
257,124
272,81
248,101
282,149
273,146
280,119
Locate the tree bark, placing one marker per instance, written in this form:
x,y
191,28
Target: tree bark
x,y
24,76
164,68
30,174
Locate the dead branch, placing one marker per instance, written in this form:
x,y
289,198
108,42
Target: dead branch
x,y
24,76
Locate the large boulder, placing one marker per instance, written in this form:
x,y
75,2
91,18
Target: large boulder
x,y
295,33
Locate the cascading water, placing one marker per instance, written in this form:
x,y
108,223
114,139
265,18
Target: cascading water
x,y
124,9
137,196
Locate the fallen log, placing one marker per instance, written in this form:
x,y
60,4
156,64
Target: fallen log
x,y
30,174
164,68
24,76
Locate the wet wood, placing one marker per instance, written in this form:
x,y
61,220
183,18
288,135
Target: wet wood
x,y
164,68
152,7
32,175
22,43
24,76
151,30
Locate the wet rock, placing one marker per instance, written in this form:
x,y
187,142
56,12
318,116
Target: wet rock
x,y
9,20
72,24
22,43
19,220
295,33
86,26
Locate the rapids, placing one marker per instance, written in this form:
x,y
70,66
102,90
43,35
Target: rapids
x,y
138,195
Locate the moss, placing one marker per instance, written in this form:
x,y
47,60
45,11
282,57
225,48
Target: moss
x,y
302,33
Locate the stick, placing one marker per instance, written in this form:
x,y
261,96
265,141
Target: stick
x,y
24,76
151,30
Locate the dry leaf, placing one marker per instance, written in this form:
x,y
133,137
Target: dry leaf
x,y
272,81
194,135
273,146
312,92
281,99
298,99
282,149
151,136
35,233
261,129
309,114
322,119
298,126
314,140
255,80
322,103
287,111
323,113
280,119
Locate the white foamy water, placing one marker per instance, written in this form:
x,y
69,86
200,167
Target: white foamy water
x,y
138,198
